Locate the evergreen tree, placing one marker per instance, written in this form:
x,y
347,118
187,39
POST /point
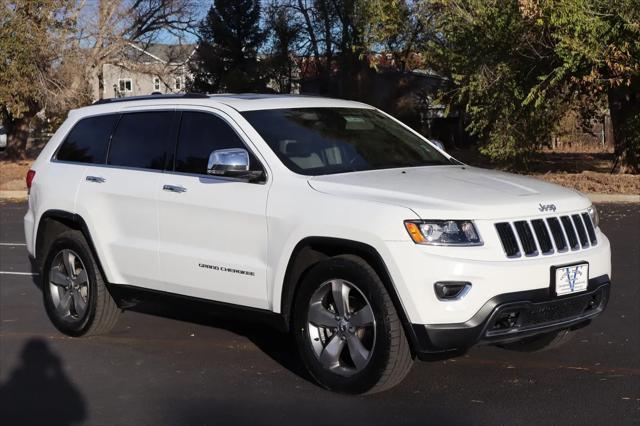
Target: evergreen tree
x,y
227,55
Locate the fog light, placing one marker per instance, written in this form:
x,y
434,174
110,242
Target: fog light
x,y
450,290
506,320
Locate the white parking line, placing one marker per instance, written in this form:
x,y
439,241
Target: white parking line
x,y
18,273
12,244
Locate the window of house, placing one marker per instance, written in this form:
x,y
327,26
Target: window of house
x,y
156,83
178,85
200,135
125,85
140,140
88,140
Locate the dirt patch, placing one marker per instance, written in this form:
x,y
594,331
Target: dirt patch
x,y
12,175
601,183
587,171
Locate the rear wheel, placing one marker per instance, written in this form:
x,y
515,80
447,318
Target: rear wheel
x,y
347,330
75,296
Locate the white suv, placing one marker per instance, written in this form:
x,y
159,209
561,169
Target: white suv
x,y
364,240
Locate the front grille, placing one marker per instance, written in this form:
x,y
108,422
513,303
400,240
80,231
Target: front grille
x,y
546,236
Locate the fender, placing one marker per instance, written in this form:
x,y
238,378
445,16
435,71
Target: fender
x,y
313,249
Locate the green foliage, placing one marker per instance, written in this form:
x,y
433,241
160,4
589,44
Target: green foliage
x,y
516,67
283,38
32,37
27,50
229,39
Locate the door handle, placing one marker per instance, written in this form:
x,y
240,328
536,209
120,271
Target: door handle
x,y
174,188
95,179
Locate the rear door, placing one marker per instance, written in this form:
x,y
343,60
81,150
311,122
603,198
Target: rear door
x,y
213,230
118,199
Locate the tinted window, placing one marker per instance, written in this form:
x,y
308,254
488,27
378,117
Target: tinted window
x,y
141,140
317,141
200,135
88,140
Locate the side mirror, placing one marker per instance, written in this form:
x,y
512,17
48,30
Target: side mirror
x,y
233,162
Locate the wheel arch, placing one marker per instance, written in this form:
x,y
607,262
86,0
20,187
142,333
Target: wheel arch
x,y
311,250
54,222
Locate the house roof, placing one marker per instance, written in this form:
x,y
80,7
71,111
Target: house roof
x,y
156,52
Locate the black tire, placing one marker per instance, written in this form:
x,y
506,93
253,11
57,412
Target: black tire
x,y
101,313
540,343
390,355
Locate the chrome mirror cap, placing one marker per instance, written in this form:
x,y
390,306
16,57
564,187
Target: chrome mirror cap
x,y
228,162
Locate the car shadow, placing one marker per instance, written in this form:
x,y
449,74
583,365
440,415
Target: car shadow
x,y
36,279
39,389
278,345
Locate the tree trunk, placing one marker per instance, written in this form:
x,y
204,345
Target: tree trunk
x,y
18,136
100,76
624,107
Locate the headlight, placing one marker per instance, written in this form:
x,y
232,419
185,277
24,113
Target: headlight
x,y
443,232
595,218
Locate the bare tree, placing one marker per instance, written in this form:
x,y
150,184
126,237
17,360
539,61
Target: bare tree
x,y
112,26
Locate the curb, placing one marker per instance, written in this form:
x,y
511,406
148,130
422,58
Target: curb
x,y
596,198
13,195
614,198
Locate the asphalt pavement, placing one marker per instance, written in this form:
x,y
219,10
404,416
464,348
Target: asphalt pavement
x,y
167,365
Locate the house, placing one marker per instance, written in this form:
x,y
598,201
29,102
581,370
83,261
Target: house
x,y
146,69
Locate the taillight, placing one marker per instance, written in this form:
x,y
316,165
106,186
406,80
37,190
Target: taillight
x,y
30,175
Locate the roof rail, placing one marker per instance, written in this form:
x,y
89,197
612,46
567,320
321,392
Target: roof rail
x,y
152,96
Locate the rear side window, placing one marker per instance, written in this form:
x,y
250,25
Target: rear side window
x,y
88,140
200,135
141,140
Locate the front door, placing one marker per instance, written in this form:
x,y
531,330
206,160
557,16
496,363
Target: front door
x,y
212,230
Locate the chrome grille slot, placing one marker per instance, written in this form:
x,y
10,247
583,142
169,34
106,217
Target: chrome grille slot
x,y
526,238
582,233
508,239
556,234
592,232
544,240
571,233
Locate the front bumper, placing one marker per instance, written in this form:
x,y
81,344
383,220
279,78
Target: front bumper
x,y
513,316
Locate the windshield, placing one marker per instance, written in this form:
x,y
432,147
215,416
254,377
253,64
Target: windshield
x,y
320,141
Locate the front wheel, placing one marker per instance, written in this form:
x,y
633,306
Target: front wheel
x,y
347,330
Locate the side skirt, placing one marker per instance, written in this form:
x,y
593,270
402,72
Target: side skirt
x,y
188,308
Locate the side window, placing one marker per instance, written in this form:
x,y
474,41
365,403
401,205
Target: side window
x,y
201,134
141,140
88,140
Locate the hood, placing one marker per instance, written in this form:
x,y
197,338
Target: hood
x,y
454,192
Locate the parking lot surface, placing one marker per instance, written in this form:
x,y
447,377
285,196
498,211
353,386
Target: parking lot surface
x,y
165,364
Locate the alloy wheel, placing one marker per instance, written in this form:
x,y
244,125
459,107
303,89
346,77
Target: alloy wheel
x,y
341,327
69,286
